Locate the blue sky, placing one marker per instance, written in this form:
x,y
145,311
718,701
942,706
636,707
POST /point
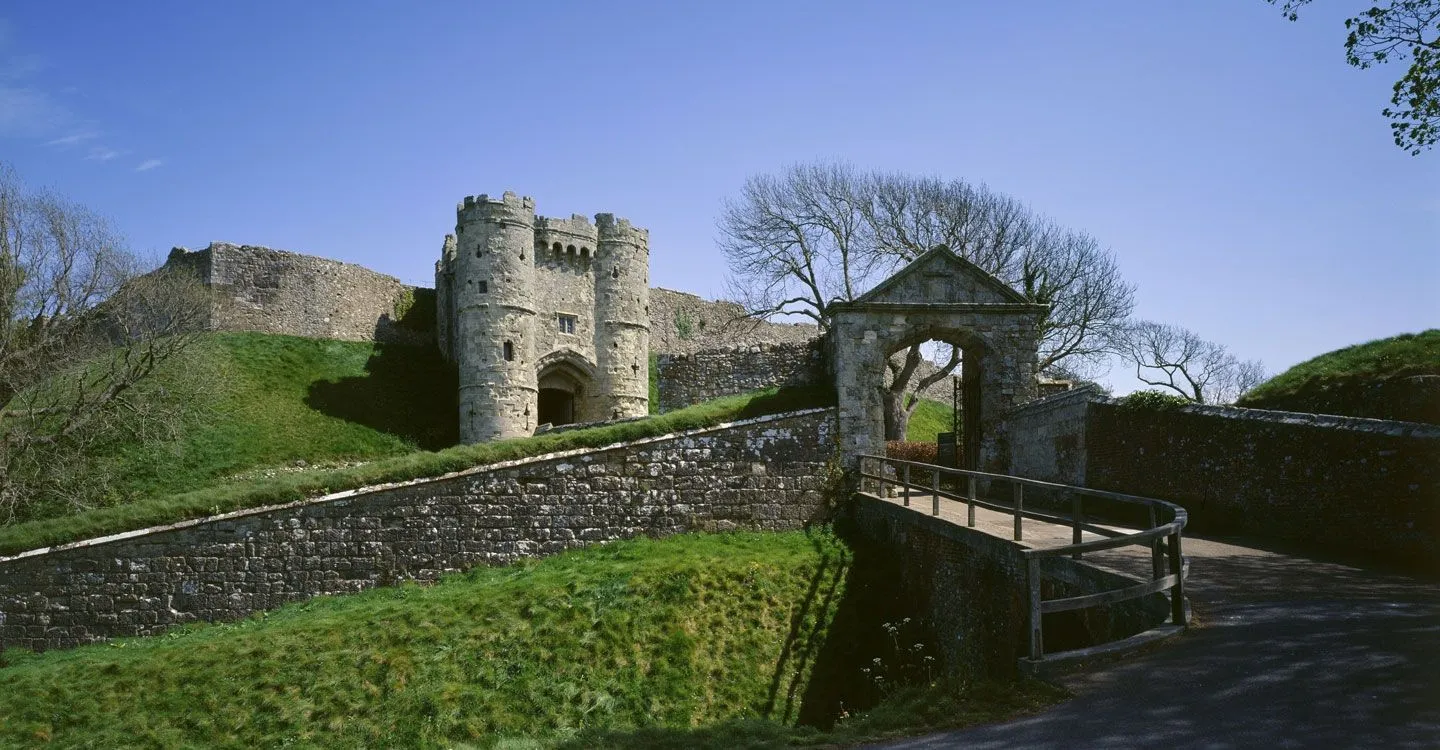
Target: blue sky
x,y
1239,169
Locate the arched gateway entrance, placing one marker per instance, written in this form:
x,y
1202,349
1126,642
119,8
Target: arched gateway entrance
x,y
566,396
943,297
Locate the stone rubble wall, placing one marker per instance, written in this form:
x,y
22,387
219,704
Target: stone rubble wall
x,y
1351,485
275,291
969,588
769,473
686,379
1354,485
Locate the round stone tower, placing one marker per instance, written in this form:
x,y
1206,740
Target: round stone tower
x,y
622,316
493,337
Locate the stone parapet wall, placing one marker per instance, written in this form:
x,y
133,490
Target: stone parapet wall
x,y
275,291
1354,485
1344,484
770,473
686,379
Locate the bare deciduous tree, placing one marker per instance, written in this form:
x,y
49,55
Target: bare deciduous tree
x,y
80,327
1177,359
816,234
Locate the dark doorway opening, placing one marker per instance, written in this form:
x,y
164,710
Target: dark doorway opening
x,y
557,406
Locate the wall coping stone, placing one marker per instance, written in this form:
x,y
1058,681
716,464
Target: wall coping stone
x,y
347,494
1087,392
1392,427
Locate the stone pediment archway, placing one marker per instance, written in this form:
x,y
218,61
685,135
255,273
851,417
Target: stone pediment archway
x,y
938,296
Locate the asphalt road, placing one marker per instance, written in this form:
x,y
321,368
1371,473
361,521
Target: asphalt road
x,y
1287,652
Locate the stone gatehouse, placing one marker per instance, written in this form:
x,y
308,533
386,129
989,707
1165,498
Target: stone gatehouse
x,y
547,319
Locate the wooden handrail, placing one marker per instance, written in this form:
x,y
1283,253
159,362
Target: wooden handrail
x,y
1169,568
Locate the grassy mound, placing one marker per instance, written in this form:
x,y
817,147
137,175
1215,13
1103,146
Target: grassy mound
x,y
697,640
279,400
1393,378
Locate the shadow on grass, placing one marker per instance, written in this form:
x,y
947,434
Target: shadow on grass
x,y
821,674
407,391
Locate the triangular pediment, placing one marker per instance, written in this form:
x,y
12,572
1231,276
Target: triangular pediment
x,y
939,276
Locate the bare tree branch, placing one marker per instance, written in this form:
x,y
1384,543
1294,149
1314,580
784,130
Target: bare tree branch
x,y
816,234
1178,360
81,327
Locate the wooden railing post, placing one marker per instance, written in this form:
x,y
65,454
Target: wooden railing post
x,y
1077,517
905,483
1157,555
1177,569
880,478
1019,507
970,485
1032,582
935,491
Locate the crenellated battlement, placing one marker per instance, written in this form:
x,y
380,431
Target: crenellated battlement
x,y
612,229
507,208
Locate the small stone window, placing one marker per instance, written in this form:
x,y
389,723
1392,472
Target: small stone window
x,y
566,323
558,248
509,352
483,287
570,249
478,253
584,252
615,272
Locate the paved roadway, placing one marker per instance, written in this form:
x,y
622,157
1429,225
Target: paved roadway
x,y
1285,652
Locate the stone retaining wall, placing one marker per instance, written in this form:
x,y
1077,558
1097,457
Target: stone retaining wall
x,y
970,589
687,379
765,474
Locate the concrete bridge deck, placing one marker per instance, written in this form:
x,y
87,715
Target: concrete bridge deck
x,y
1285,651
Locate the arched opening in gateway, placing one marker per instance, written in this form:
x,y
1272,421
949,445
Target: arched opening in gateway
x,y
557,406
563,396
930,392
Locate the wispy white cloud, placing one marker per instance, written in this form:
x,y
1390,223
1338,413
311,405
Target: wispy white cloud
x,y
73,139
149,164
104,153
29,113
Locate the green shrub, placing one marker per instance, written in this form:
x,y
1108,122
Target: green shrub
x,y
1154,401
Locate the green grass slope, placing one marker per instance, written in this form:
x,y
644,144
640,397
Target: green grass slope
x,y
1392,378
277,400
929,419
690,641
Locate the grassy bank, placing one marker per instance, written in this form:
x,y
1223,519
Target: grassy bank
x,y
929,419
693,641
1390,378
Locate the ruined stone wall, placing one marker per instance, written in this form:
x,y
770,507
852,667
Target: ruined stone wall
x,y
275,291
682,323
764,474
686,379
